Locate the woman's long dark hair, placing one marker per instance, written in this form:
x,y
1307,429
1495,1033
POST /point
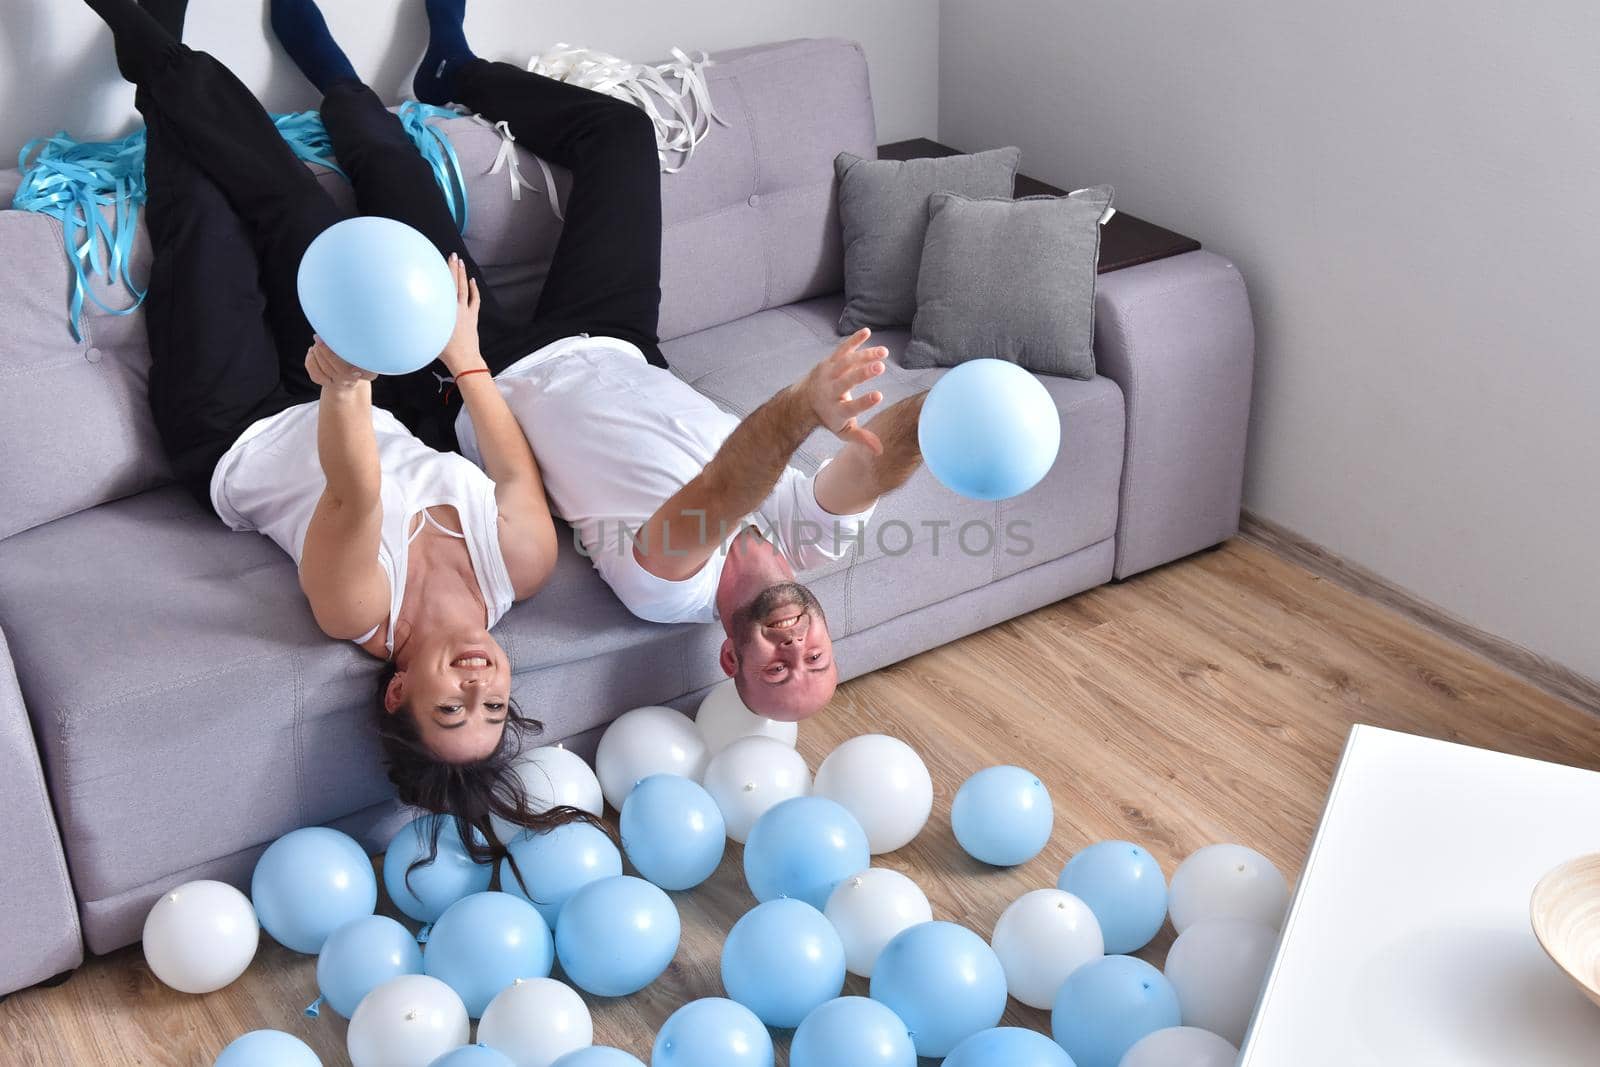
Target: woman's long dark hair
x,y
469,793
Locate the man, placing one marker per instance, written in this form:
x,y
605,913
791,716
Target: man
x,y
692,515
688,513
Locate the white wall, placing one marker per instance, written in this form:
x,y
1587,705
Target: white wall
x,y
57,71
1413,194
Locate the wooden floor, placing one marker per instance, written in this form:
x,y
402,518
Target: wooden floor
x,y
1206,701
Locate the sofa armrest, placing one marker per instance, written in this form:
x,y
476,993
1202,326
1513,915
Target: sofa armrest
x,y
39,934
1176,335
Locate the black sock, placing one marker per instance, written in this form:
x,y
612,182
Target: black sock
x,y
304,34
141,40
447,51
169,13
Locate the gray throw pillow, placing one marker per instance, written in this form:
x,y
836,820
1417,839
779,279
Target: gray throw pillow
x,y
883,211
1010,279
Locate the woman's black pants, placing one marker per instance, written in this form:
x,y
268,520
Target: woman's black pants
x,y
231,210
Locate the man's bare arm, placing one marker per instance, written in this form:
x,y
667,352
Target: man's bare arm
x,y
683,533
857,477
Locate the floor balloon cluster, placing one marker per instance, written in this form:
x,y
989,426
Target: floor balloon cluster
x,y
683,789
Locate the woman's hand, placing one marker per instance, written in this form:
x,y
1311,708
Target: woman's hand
x,y
331,372
828,389
461,351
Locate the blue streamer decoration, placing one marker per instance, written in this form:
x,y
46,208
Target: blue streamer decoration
x,y
96,188
440,154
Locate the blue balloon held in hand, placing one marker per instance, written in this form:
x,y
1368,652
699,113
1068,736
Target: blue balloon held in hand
x,y
553,865
310,882
854,1031
379,294
1104,1007
1008,1046
425,892
483,943
617,935
782,960
1002,816
672,831
803,848
1124,887
945,983
989,430
712,1032
362,955
268,1048
474,1056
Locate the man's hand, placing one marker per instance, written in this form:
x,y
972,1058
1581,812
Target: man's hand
x,y
461,352
828,389
331,372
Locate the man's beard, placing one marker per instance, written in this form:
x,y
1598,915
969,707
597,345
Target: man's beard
x,y
752,615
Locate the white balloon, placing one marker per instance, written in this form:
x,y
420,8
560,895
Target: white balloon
x,y
408,1021
882,782
554,776
1041,938
200,936
536,1021
723,719
869,909
1218,967
1180,1046
648,741
1227,882
750,776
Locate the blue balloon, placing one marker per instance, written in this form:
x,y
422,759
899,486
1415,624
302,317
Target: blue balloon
x,y
557,863
1124,887
1002,816
474,1056
783,960
432,887
803,848
360,956
989,430
712,1033
617,935
268,1048
379,294
672,831
1107,1005
597,1056
310,882
854,1031
483,943
945,983
1008,1046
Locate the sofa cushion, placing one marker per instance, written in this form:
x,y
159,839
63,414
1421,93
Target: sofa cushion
x,y
187,706
1010,279
883,211
749,224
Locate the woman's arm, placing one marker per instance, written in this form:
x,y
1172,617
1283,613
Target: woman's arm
x,y
339,569
528,534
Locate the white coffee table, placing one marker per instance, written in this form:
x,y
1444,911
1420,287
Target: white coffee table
x,y
1408,940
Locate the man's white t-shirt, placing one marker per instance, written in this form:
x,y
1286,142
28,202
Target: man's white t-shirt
x,y
615,438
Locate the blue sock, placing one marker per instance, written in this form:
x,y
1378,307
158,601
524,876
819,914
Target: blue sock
x,y
304,34
447,51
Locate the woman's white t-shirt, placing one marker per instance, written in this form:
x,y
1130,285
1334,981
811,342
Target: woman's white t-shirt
x,y
271,480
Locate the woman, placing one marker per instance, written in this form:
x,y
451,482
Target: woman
x,y
410,552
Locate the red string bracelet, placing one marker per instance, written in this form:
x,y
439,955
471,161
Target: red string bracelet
x,y
445,399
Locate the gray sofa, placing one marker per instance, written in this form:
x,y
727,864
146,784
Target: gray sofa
x,y
168,679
